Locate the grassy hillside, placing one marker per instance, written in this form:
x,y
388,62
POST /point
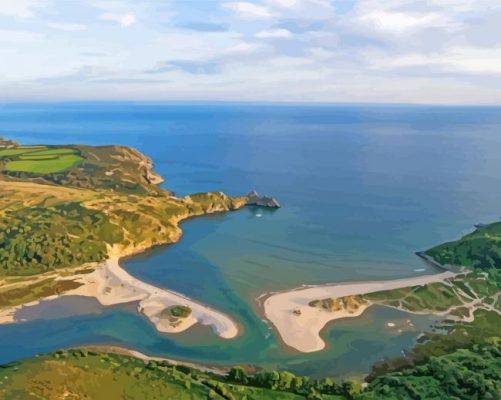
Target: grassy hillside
x,y
64,206
479,249
113,168
468,373
81,374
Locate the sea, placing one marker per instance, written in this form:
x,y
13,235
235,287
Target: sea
x,y
362,188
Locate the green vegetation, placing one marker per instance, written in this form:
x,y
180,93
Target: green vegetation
x,y
175,314
464,363
38,160
462,374
113,168
180,311
63,207
348,303
479,249
15,295
39,239
40,232
43,165
20,150
82,374
432,297
56,214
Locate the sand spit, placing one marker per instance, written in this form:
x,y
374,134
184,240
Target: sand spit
x,y
299,325
110,284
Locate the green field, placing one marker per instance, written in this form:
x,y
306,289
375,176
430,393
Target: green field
x,y
43,165
40,160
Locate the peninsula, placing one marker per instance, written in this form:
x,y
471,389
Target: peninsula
x,y
69,213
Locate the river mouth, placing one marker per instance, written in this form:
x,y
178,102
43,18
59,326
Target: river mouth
x,y
362,188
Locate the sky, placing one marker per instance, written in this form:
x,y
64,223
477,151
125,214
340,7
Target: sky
x,y
371,51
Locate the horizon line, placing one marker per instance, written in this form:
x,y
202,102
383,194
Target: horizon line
x,y
243,102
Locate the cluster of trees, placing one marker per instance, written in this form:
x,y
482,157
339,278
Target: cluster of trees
x,y
463,374
38,239
288,382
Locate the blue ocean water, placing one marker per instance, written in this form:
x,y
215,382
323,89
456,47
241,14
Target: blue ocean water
x,y
362,187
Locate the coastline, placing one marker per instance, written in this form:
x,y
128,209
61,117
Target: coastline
x,y
110,284
301,330
137,354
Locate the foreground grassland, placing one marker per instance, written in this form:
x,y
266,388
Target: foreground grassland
x,y
81,374
469,373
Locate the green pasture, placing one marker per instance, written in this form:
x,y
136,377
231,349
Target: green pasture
x,y
40,160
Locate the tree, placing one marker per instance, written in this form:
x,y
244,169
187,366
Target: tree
x,y
237,374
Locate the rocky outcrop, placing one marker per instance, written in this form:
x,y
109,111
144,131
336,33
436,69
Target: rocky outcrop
x,y
253,199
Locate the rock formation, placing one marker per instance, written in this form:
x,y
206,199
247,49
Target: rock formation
x,y
254,199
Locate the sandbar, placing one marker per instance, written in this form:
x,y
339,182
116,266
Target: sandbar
x,y
299,324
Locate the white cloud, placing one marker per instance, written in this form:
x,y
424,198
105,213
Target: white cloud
x,y
67,27
461,59
125,20
249,10
398,22
275,33
18,8
290,61
245,48
320,53
284,3
318,50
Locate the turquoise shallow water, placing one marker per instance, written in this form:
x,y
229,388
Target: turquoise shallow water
x,y
362,189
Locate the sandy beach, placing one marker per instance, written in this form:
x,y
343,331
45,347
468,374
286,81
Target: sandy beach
x,y
110,284
301,329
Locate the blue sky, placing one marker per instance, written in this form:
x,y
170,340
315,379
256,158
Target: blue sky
x,y
413,51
